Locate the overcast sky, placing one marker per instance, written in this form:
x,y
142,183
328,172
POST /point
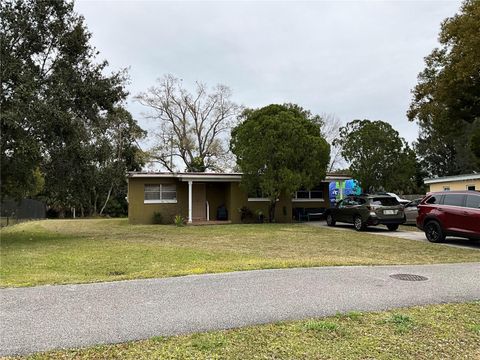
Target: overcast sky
x,y
354,59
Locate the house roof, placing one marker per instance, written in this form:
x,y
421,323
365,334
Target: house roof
x,y
234,177
337,177
185,176
464,177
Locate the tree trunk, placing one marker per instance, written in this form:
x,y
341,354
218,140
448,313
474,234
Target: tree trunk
x,y
93,210
271,211
106,201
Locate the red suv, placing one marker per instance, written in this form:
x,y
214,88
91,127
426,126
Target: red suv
x,y
450,213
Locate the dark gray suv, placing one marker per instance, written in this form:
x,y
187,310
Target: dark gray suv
x,y
366,210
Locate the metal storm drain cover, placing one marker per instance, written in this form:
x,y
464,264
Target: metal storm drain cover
x,y
409,277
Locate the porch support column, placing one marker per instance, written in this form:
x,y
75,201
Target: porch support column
x,y
190,201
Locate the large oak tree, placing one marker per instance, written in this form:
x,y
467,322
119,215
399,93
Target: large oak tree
x,y
446,100
59,109
280,149
379,158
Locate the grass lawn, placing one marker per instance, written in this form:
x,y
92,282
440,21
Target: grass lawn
x,y
432,332
409,228
79,251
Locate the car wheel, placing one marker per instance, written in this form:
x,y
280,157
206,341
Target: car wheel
x,y
434,232
392,227
358,223
330,220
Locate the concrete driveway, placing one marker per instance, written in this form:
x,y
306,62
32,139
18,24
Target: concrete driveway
x,y
49,317
402,233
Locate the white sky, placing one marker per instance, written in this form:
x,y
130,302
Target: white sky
x,y
356,59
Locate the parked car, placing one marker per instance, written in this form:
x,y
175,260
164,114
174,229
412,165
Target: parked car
x,y
366,210
399,199
447,213
411,212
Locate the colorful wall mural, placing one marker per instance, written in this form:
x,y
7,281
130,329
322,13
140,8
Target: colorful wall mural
x,y
350,187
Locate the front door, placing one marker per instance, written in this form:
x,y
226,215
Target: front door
x,y
199,206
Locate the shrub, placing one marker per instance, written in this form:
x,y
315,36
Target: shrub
x,y
157,218
246,215
179,220
260,216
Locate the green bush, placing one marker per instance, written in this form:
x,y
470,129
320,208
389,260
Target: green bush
x,y
260,216
157,218
179,220
246,215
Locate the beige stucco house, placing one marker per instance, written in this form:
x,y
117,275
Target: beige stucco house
x,y
198,196
457,182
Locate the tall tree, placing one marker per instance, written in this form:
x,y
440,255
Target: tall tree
x,y
56,104
193,126
379,158
280,149
446,100
330,126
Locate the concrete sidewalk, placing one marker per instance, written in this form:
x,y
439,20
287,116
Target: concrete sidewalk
x,y
49,317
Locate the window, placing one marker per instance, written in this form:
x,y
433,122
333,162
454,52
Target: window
x,y
453,199
160,193
473,201
446,188
384,201
434,199
471,187
302,194
257,195
412,204
316,194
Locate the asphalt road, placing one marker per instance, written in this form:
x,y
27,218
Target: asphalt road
x,y
402,234
48,317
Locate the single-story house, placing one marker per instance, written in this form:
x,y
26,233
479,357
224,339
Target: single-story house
x,y
203,197
456,182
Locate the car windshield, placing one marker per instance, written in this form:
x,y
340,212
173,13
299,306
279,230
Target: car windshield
x,y
384,201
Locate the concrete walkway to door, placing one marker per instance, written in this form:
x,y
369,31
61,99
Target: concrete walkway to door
x,y
49,317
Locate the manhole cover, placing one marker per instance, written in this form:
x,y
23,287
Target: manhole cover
x,y
409,277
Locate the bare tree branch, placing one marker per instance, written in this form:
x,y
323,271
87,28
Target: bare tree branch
x,y
330,126
198,122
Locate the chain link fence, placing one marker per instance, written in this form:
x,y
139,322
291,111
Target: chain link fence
x,y
13,212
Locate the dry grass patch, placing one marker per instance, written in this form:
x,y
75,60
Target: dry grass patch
x,y
79,251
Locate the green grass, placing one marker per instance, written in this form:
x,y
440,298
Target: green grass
x,y
409,228
321,325
403,323
81,251
434,332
